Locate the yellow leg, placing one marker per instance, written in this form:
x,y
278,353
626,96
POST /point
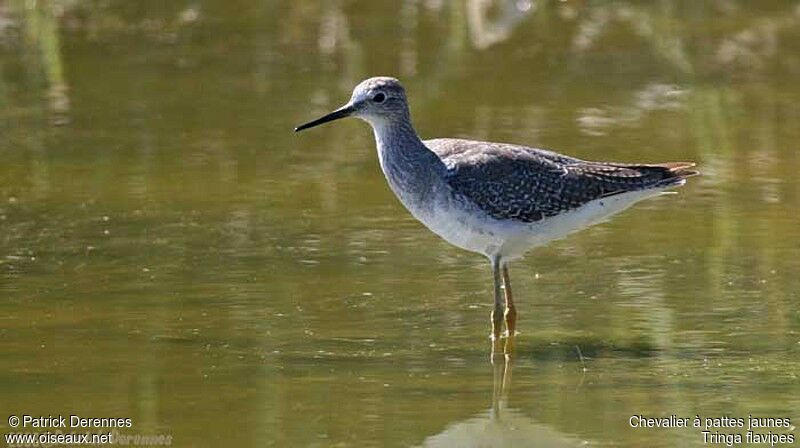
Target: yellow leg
x,y
497,313
510,313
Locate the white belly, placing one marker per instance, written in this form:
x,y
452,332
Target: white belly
x,y
478,232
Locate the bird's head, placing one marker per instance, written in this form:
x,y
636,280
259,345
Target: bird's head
x,y
376,100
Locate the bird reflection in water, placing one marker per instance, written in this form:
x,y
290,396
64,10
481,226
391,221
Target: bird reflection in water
x,y
501,426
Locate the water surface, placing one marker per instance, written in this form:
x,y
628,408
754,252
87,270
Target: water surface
x,y
171,252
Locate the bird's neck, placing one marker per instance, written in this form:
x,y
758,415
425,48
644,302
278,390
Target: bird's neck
x,y
409,166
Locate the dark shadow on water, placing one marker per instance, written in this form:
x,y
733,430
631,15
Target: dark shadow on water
x,y
577,350
580,349
563,350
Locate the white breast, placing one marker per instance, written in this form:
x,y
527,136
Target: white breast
x,y
475,231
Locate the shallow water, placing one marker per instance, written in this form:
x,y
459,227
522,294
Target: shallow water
x,y
171,252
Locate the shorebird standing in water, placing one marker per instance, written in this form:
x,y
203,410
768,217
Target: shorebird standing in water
x,y
496,199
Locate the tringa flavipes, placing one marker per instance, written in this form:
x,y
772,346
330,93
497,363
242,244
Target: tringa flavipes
x,y
496,199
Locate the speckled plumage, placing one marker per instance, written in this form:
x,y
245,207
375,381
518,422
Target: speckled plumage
x,y
528,184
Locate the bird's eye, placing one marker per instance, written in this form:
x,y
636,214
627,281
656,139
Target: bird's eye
x,y
379,98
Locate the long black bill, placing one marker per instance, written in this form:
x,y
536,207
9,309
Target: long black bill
x,y
341,112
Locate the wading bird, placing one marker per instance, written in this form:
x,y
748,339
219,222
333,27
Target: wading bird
x,y
496,199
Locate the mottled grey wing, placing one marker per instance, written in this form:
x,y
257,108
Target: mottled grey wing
x,y
530,185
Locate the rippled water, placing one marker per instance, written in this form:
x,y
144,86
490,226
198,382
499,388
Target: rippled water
x,y
171,252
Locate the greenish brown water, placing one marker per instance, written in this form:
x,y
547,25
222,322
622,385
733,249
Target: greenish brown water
x,y
171,252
